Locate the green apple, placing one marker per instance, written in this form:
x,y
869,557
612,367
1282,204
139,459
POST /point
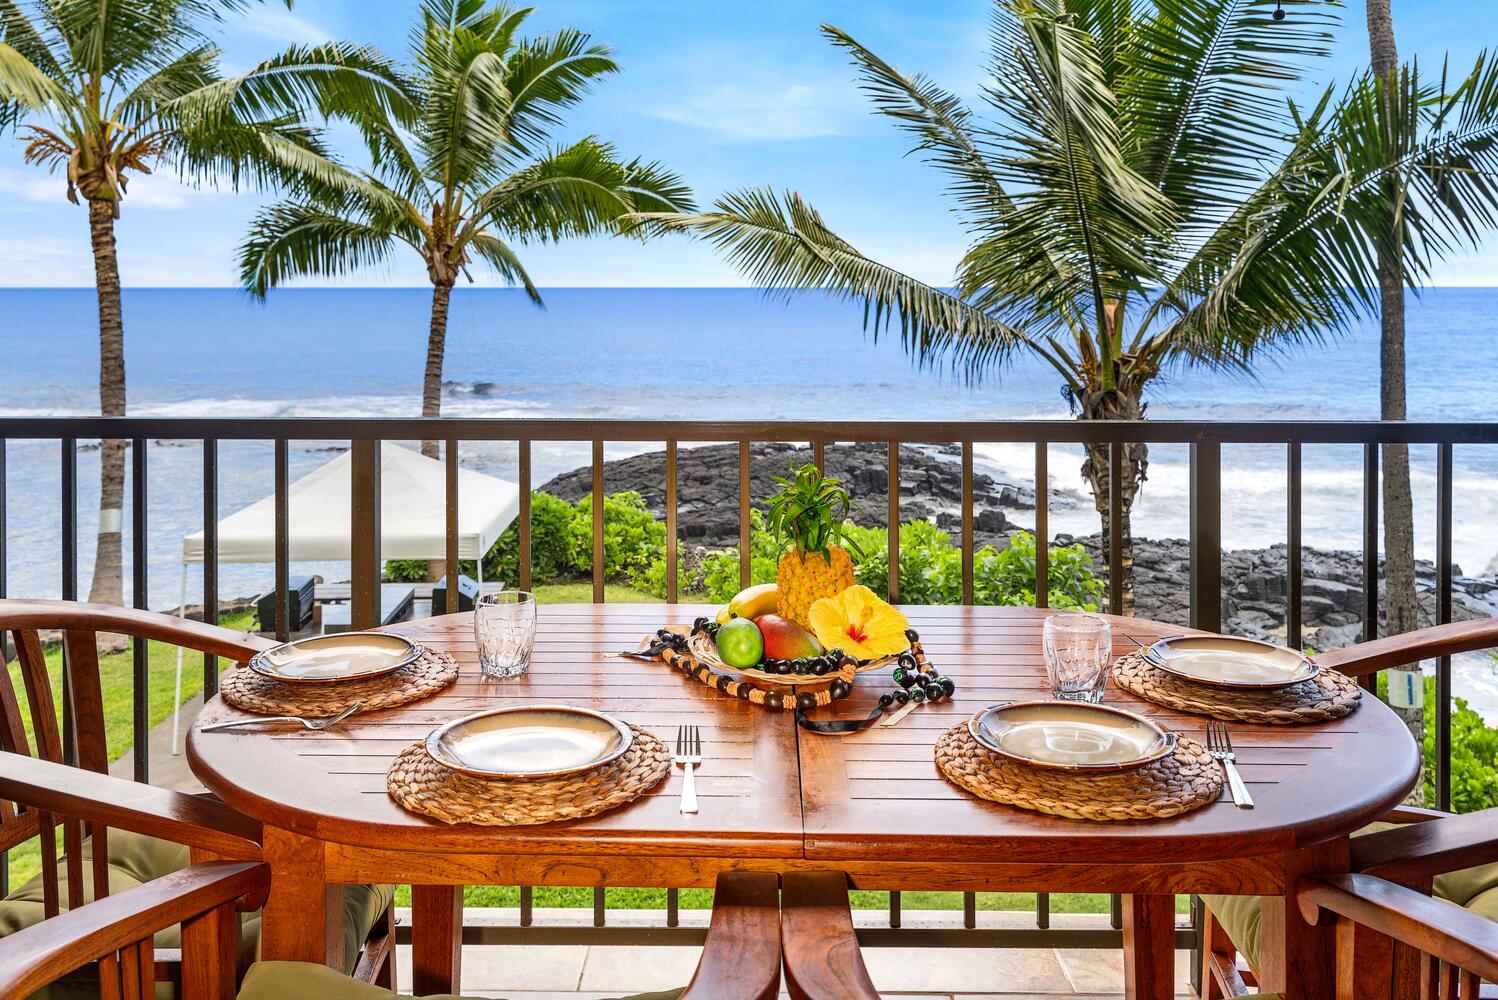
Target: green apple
x,y
740,643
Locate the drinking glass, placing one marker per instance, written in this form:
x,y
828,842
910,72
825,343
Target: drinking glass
x,y
505,626
1078,653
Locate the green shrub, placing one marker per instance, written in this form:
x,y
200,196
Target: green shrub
x,y
632,537
1474,753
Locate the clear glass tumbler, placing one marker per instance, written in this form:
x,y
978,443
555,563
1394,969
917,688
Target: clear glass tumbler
x,y
505,626
1078,655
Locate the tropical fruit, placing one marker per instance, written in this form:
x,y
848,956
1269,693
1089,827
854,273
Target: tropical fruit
x,y
740,643
785,640
751,602
860,624
807,518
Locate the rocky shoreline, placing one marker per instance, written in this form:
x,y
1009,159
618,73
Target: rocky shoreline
x,y
931,488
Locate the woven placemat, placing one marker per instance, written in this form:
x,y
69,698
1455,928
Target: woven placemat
x,y
253,692
1328,695
1187,779
422,785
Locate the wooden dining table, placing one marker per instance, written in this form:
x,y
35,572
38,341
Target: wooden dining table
x,y
778,798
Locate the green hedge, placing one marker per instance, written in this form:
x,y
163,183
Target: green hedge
x,y
634,544
1474,753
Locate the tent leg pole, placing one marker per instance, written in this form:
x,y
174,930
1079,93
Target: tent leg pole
x,y
177,697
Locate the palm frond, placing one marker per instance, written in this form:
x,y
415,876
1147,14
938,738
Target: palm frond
x,y
502,258
292,239
547,75
23,83
782,244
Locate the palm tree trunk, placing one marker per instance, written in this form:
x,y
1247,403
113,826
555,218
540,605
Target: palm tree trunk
x,y
107,587
1116,404
431,386
1399,531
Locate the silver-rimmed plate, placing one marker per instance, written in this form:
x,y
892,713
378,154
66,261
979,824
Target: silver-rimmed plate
x,y
1070,736
325,659
530,741
1224,661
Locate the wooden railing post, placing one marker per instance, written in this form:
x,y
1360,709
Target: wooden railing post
x,y
364,573
1206,535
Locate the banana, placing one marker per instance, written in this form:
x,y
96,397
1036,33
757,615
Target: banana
x,y
751,602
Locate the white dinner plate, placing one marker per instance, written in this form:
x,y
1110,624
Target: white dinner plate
x,y
1070,735
348,656
529,741
1224,661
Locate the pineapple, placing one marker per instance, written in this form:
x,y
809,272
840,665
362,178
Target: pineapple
x,y
807,518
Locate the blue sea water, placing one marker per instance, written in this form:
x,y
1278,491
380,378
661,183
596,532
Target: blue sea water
x,y
679,354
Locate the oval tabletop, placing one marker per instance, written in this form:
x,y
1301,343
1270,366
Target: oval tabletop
x,y
770,791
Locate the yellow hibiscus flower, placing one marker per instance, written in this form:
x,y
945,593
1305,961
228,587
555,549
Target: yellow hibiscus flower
x,y
860,624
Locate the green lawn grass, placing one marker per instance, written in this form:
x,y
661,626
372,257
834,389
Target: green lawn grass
x,y
581,592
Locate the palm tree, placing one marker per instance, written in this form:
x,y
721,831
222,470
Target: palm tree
x,y
1139,194
1399,516
470,175
103,89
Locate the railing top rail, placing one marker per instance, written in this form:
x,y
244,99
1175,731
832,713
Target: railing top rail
x,y
915,431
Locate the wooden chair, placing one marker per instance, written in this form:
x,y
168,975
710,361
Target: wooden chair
x,y
741,959
822,958
141,846
1454,951
1421,849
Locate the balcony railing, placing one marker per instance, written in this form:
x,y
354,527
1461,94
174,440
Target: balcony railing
x,y
1204,440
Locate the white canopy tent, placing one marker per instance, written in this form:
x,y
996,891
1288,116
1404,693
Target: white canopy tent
x,y
413,519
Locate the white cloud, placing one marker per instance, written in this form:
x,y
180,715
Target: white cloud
x,y
157,191
281,25
770,112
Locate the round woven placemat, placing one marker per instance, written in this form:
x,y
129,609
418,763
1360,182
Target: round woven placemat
x,y
431,672
422,785
1187,779
1328,695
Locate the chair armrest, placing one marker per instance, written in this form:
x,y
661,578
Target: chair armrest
x,y
741,958
204,823
40,954
1411,814
212,639
1423,850
1432,926
1422,644
822,960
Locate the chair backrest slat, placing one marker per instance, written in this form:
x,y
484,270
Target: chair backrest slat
x,y
87,697
39,695
47,834
109,977
72,852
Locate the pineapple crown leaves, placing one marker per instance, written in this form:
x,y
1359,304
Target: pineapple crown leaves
x,y
808,513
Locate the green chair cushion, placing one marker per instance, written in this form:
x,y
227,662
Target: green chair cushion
x,y
1473,888
305,981
135,859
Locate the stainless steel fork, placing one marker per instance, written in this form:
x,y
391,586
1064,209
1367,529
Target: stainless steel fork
x,y
1220,746
688,755
313,724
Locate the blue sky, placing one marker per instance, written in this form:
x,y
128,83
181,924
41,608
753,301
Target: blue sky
x,y
728,94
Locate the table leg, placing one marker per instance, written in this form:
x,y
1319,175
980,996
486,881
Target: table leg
x,y
1297,960
436,939
303,919
1149,930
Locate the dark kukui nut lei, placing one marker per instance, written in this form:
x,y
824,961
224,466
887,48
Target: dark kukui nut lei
x,y
918,681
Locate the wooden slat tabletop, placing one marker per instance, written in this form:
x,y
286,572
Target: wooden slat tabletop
x,y
769,791
331,785
864,793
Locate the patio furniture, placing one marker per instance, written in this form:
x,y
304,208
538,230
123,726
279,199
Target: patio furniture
x,y
1455,857
396,600
741,958
119,834
871,806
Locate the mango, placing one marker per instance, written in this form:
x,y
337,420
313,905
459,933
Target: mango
x,y
785,640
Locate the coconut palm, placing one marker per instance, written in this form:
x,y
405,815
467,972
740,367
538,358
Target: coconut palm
x,y
100,90
469,177
1139,194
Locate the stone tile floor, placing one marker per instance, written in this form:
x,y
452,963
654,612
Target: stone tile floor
x,y
604,972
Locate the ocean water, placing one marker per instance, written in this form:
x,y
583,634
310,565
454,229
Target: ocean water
x,y
679,354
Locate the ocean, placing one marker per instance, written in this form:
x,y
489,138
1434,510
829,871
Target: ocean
x,y
679,354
